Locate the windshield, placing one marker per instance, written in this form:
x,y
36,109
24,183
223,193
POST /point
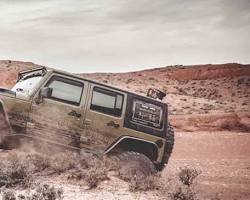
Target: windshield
x,y
27,82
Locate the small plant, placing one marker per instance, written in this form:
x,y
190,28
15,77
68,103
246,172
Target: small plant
x,y
62,162
92,171
43,192
13,172
46,192
94,176
144,184
39,162
182,194
8,195
187,176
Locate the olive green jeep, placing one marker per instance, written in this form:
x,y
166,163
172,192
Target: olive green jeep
x,y
66,110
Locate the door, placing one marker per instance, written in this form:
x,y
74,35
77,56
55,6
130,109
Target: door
x,y
59,118
104,121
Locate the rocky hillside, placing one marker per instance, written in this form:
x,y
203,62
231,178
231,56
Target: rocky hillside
x,y
196,89
9,71
213,90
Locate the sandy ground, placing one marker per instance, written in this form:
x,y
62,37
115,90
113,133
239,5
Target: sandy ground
x,y
222,157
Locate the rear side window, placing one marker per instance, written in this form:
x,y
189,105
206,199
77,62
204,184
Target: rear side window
x,y
106,101
66,90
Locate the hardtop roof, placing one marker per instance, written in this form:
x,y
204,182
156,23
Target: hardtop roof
x,y
85,79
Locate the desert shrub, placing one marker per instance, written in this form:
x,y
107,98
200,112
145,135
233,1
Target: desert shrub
x,y
38,161
182,193
46,192
20,169
8,195
185,189
144,183
188,175
13,172
94,176
62,162
42,192
93,173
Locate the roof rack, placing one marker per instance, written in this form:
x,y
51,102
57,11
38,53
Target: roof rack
x,y
20,74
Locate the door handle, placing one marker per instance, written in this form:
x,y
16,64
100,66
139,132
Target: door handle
x,y
74,114
113,124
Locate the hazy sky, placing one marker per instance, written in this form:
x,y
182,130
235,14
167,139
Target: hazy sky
x,y
124,35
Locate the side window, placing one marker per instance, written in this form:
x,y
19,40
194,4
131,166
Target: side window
x,y
66,90
106,101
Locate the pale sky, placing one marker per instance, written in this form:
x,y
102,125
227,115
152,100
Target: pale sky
x,y
124,35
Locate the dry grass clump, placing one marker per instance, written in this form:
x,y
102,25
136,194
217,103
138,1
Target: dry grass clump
x,y
185,189
94,176
8,195
180,187
19,168
38,161
13,172
145,184
188,175
183,193
42,192
93,172
46,192
63,162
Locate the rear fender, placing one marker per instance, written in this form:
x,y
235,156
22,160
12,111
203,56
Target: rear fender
x,y
139,145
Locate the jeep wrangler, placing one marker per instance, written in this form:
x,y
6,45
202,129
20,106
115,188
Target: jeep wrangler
x,y
66,110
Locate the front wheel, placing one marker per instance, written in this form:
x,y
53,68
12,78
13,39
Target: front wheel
x,y
133,164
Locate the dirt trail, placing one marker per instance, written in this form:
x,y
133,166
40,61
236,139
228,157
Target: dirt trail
x,y
223,158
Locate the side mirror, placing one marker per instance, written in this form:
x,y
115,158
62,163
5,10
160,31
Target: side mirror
x,y
46,92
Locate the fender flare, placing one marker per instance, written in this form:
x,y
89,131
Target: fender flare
x,y
119,140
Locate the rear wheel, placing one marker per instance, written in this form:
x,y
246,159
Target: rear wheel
x,y
133,164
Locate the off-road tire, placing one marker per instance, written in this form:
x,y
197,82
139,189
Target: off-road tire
x,y
133,164
169,147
